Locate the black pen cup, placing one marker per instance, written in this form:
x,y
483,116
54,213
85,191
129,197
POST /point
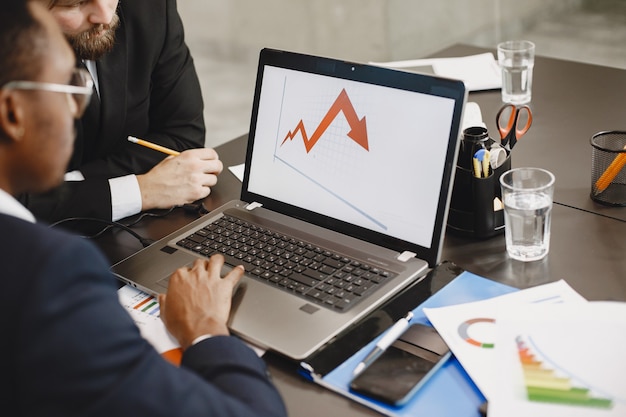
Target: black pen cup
x,y
608,168
476,208
474,138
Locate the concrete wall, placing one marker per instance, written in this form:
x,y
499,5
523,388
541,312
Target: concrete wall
x,y
363,30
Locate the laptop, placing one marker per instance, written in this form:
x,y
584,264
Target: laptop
x,y
344,200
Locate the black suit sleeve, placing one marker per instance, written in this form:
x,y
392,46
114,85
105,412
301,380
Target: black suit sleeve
x,y
90,198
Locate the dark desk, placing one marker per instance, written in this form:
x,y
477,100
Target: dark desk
x,y
588,249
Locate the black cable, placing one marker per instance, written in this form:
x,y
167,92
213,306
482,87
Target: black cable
x,y
194,208
109,224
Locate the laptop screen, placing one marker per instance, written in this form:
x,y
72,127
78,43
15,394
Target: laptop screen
x,y
362,150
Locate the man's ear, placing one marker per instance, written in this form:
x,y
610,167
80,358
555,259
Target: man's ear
x,y
11,115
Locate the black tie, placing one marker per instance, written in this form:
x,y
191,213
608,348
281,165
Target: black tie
x,y
91,123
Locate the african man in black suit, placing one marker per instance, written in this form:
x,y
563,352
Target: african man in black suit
x,y
68,346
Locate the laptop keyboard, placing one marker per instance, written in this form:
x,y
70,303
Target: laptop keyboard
x,y
309,271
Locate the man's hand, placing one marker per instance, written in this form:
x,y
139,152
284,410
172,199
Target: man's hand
x,y
181,179
198,300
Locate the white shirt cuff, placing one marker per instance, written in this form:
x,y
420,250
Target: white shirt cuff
x,y
74,176
200,339
125,196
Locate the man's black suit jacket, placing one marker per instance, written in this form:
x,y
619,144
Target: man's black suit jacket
x,y
149,89
68,347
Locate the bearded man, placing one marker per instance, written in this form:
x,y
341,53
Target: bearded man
x,y
145,86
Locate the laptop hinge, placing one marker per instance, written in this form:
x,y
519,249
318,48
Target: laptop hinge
x,y
254,205
406,255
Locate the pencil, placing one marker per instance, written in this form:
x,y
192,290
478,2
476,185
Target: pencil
x,y
611,172
153,146
476,163
486,157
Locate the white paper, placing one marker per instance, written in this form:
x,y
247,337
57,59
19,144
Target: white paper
x,y
237,171
560,349
472,116
478,72
145,312
470,329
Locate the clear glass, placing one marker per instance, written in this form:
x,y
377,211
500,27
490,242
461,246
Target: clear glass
x,y
527,196
516,60
79,90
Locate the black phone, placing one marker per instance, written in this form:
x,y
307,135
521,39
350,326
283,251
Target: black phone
x,y
404,367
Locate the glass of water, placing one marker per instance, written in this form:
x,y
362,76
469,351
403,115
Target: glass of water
x,y
527,197
516,59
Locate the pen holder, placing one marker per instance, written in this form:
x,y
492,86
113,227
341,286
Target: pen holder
x,y
608,168
476,208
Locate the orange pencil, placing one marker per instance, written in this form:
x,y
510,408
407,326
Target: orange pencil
x,y
153,146
611,172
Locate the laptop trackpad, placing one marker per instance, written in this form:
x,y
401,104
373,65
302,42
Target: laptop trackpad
x,y
164,282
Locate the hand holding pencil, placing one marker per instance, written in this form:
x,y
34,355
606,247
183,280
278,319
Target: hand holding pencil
x,y
177,181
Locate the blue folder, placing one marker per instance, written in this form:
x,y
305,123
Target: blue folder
x,y
450,392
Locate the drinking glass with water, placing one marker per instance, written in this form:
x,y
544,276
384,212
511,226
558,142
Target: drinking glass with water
x,y
516,59
527,197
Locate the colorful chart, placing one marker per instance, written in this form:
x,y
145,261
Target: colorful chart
x,y
148,305
544,384
464,332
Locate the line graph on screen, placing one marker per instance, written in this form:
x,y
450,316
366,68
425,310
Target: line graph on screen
x,y
358,132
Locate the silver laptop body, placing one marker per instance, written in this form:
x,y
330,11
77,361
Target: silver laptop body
x,y
343,158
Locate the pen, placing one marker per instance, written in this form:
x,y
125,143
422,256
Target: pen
x,y
611,172
392,334
153,146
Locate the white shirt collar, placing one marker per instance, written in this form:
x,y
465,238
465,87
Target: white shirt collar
x,y
93,71
9,205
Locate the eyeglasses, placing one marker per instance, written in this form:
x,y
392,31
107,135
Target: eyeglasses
x,y
78,91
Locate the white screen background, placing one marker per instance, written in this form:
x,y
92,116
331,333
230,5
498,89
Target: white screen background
x,y
392,187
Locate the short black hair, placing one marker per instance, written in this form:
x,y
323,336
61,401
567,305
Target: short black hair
x,y
23,42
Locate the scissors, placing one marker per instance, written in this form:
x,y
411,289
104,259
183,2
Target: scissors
x,y
511,132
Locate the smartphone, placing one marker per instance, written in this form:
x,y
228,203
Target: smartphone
x,y
404,367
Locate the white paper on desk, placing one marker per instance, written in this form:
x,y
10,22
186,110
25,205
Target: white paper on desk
x,y
570,349
153,330
478,72
144,310
238,171
469,329
472,116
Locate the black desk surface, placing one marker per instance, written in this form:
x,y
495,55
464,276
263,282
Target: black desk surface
x,y
571,102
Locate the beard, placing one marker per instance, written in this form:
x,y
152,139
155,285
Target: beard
x,y
91,44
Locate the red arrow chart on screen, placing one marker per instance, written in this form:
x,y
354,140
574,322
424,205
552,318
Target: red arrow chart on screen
x,y
358,128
